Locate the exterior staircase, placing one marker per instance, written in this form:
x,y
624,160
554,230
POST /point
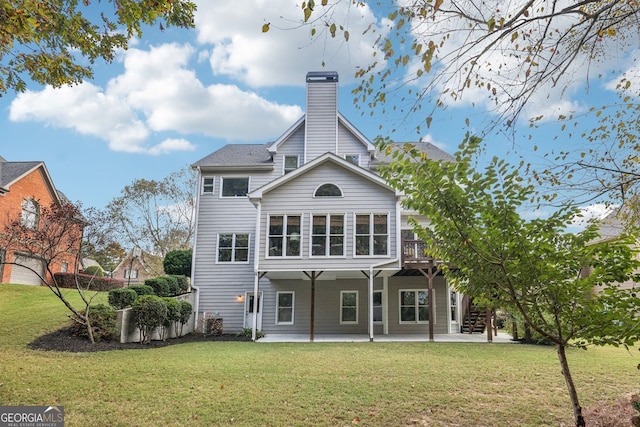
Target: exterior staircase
x,y
474,321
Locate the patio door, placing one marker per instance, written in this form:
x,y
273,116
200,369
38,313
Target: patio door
x,y
249,301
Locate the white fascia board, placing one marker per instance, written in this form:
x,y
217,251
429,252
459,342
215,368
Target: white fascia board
x,y
273,148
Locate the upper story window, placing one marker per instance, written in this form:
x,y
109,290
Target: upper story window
x,y
233,247
131,274
328,190
207,185
235,187
327,235
353,158
30,213
290,163
372,234
284,235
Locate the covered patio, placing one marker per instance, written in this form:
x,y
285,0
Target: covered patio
x,y
500,338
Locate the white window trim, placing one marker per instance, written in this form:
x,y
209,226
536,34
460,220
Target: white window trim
x,y
371,225
213,185
284,236
233,249
331,197
284,162
293,307
328,236
127,273
357,308
222,178
416,322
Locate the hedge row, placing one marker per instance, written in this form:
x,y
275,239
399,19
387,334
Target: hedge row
x,y
168,286
86,281
153,312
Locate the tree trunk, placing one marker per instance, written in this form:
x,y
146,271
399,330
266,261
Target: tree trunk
x,y
573,394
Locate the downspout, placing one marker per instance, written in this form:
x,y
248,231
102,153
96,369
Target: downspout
x,y
193,251
256,271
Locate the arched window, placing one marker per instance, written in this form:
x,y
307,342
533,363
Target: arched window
x,y
328,190
30,213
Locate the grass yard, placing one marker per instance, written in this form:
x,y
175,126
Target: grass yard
x,y
280,384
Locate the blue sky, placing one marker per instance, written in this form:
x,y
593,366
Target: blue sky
x,y
176,96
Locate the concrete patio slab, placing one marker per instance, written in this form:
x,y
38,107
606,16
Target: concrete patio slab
x,y
501,338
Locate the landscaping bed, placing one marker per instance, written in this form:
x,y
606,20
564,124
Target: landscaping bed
x,y
64,340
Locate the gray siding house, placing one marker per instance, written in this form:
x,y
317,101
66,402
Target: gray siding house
x,y
301,236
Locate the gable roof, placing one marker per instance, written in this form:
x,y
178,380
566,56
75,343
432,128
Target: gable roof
x,y
238,156
432,152
11,172
325,158
273,147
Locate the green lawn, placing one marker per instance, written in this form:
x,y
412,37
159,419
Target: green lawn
x,y
279,384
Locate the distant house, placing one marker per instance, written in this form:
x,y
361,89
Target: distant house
x,y
137,267
302,236
25,189
614,225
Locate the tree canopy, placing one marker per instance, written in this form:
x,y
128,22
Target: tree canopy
x,y
56,42
517,61
565,286
156,216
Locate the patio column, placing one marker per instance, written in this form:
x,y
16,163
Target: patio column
x,y
429,275
371,277
312,312
256,292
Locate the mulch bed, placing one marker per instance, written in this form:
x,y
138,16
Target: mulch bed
x,y
64,340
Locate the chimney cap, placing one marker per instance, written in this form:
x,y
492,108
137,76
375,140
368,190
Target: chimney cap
x,y
322,76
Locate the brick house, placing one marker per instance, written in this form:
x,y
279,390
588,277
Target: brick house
x,y
25,189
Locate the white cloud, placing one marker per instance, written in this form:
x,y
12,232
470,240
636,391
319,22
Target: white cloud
x,y
283,55
592,212
505,68
169,145
87,110
156,92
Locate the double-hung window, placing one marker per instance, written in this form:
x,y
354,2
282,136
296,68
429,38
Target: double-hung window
x,y
372,234
234,187
414,306
327,235
233,247
30,214
284,307
284,235
207,185
348,307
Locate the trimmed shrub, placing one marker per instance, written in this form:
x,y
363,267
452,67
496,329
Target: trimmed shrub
x,y
186,310
87,282
150,313
94,270
173,315
178,262
142,289
174,286
183,283
122,298
160,286
103,323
